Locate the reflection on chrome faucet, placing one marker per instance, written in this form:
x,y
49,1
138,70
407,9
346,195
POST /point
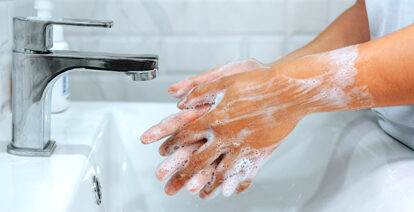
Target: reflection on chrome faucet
x,y
36,68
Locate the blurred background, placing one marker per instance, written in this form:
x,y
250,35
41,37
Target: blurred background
x,y
190,37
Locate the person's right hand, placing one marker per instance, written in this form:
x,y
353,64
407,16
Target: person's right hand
x,y
181,89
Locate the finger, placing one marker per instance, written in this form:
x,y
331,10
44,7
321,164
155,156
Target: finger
x,y
197,162
206,94
173,123
167,148
231,183
194,132
199,180
175,161
211,195
244,186
219,176
179,90
181,139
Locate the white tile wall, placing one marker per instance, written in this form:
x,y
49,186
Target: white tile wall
x,y
265,48
190,36
197,54
307,16
243,16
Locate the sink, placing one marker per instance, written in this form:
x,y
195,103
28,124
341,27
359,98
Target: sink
x,y
338,161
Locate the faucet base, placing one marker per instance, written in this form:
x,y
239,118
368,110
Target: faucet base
x,y
45,152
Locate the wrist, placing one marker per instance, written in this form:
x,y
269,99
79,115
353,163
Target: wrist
x,y
325,82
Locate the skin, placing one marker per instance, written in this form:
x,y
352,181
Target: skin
x,y
262,104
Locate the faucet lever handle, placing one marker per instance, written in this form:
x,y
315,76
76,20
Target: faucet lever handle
x,y
36,33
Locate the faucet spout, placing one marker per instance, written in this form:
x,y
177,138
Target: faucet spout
x,y
67,60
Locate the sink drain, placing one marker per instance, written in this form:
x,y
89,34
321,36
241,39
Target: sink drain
x,y
98,190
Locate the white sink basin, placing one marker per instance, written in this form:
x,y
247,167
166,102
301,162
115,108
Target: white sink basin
x,y
331,162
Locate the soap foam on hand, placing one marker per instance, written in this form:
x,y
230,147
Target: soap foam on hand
x,y
172,124
183,88
175,162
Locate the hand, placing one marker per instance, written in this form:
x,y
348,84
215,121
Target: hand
x,y
234,139
179,90
182,88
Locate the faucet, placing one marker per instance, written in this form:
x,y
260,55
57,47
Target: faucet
x,y
36,68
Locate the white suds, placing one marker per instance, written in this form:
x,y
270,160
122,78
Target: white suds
x,y
230,185
246,167
174,162
210,136
333,84
341,75
194,185
217,99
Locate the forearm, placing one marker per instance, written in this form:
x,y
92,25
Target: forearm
x,y
386,67
348,29
377,73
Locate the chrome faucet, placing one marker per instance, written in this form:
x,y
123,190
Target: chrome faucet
x,y
36,68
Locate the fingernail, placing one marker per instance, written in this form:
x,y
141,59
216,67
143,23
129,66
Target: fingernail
x,y
144,139
170,190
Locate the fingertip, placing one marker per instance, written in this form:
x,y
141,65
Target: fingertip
x,y
180,105
162,152
202,195
144,140
164,148
193,186
228,189
172,91
192,191
210,195
243,186
159,175
172,88
148,136
180,89
170,189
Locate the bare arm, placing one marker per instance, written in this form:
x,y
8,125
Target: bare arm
x,y
350,28
254,111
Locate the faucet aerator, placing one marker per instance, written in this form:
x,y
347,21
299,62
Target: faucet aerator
x,y
142,75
